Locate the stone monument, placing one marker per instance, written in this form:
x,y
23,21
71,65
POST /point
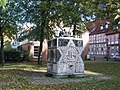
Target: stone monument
x,y
64,57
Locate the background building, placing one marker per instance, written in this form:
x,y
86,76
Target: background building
x,y
103,41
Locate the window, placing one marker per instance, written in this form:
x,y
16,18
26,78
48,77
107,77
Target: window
x,y
101,27
109,39
92,49
106,26
101,48
116,38
112,39
36,50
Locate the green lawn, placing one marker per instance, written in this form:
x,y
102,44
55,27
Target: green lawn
x,y
12,77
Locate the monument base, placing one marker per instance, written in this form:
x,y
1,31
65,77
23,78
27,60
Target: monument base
x,y
64,76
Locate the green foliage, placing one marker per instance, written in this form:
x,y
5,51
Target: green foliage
x,y
25,56
71,15
41,17
8,22
3,2
7,46
39,13
10,18
46,15
109,10
11,55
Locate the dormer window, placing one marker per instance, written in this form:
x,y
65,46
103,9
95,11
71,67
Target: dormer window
x,y
101,27
106,25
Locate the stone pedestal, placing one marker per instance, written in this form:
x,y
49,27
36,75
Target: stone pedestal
x,y
64,57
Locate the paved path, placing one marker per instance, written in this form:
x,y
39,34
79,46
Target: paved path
x,y
39,78
48,80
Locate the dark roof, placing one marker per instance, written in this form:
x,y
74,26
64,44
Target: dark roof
x,y
90,26
114,31
94,27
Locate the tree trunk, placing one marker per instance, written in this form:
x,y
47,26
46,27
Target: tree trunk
x,y
41,37
119,42
39,53
2,62
41,42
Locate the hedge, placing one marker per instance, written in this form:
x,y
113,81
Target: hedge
x,y
11,55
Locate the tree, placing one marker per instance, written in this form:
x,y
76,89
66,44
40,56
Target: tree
x,y
8,25
42,15
2,4
45,15
72,12
105,9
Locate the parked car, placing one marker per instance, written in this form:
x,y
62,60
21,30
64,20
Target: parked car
x,y
116,57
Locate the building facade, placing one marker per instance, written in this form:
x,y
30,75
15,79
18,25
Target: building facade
x,y
97,46
103,41
33,48
113,42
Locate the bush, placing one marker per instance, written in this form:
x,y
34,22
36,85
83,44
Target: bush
x,y
25,56
11,55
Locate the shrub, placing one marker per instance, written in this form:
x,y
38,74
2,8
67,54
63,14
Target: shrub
x,y
11,55
25,56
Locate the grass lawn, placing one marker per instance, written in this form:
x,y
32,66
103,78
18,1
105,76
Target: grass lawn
x,y
12,77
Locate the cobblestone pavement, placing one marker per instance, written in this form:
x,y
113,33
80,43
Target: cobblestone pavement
x,y
40,78
48,80
37,79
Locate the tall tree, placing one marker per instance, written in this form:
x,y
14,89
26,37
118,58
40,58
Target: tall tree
x,y
46,14
8,25
42,14
2,4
